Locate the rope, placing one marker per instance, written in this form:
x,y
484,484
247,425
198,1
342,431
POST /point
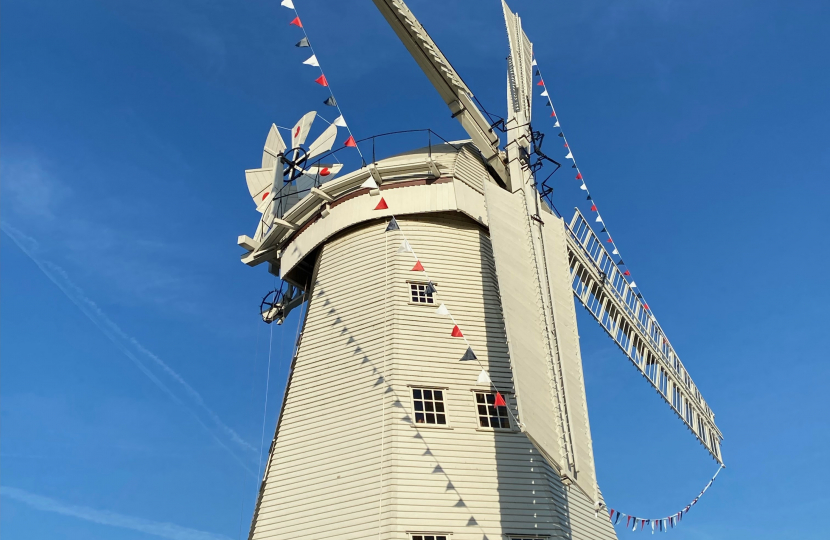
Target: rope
x,y
265,410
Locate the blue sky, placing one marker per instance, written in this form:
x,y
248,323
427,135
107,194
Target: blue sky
x,y
134,362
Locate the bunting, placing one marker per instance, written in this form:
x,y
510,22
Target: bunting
x,y
443,311
469,355
664,523
545,93
369,183
322,80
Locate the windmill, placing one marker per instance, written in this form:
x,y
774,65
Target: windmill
x,y
383,431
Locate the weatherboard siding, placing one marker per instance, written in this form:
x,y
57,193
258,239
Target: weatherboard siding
x,y
349,401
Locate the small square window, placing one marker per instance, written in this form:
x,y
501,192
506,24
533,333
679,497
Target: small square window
x,y
429,406
419,295
490,416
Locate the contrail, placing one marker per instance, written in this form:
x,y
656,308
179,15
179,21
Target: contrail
x,y
104,517
120,339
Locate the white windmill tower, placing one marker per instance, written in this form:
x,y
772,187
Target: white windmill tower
x,y
405,264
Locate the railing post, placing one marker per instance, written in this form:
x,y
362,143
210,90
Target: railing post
x,y
429,138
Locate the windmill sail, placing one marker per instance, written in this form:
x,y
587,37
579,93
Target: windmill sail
x,y
300,130
445,79
323,143
556,419
274,146
601,287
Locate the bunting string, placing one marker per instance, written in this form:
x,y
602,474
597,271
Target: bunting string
x,y
313,61
660,524
624,268
442,310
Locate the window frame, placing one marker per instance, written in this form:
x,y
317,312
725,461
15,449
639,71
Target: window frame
x,y
421,533
506,396
445,401
409,283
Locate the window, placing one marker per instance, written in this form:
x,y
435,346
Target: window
x,y
429,406
490,416
429,537
419,295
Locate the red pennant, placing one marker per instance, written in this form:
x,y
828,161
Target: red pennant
x,y
500,400
612,513
610,241
540,83
566,145
265,195
626,273
579,176
296,22
553,113
325,171
321,80
646,306
593,208
381,205
418,267
350,142
456,331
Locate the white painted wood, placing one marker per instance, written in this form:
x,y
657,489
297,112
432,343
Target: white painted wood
x,y
539,405
568,351
274,146
363,347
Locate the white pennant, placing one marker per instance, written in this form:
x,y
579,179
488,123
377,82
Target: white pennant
x,y
533,63
369,183
312,61
569,156
556,124
483,378
287,3
599,219
583,187
545,93
406,248
442,310
339,122
615,252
